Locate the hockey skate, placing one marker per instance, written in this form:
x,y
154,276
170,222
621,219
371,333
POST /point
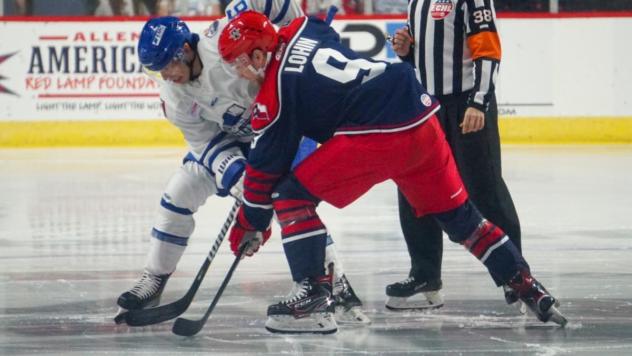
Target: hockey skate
x,y
511,297
145,294
308,308
348,306
411,294
537,298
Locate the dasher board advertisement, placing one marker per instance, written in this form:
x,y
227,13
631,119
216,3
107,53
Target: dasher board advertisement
x,y
87,68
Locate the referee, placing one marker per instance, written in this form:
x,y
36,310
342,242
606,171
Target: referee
x,y
455,46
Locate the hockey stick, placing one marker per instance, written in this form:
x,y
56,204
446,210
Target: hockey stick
x,y
169,311
331,12
187,327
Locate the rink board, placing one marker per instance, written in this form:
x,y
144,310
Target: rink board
x,y
162,133
76,81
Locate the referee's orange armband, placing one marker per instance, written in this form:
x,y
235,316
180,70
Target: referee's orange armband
x,y
485,44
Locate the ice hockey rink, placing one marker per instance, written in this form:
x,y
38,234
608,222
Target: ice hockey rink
x,y
74,226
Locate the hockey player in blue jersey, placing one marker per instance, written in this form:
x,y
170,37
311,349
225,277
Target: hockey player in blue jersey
x,y
207,100
375,122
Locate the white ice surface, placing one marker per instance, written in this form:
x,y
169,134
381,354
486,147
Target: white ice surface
x,y
74,229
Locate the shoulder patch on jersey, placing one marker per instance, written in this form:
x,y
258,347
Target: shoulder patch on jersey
x,y
440,9
425,99
260,117
212,29
267,106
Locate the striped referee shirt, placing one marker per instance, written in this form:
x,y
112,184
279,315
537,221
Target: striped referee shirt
x,y
457,47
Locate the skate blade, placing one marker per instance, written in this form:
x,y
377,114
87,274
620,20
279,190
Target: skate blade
x,y
317,323
353,316
422,301
120,316
520,307
557,317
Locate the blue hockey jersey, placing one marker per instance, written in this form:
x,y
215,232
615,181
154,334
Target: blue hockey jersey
x,y
316,87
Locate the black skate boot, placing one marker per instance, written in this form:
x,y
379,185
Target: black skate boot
x,y
413,294
347,304
511,297
308,308
145,294
536,297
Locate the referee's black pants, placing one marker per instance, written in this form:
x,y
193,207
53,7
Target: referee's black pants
x,y
477,156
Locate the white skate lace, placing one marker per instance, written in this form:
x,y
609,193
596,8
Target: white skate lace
x,y
298,291
146,286
408,280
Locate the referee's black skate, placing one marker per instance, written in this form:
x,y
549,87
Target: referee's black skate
x,y
537,298
414,294
309,308
347,304
145,294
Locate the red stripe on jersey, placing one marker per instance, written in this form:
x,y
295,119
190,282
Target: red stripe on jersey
x,y
257,198
260,175
418,119
265,110
258,186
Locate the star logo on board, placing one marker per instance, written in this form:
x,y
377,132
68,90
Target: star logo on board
x,y
3,89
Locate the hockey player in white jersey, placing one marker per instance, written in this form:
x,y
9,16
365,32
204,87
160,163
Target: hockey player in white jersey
x,y
210,104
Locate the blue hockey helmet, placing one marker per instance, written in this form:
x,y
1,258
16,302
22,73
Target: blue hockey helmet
x,y
161,40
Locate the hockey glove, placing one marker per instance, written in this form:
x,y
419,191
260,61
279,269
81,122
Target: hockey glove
x,y
229,168
240,235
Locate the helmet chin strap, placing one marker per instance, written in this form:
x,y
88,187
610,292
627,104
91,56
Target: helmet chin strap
x,y
257,74
193,77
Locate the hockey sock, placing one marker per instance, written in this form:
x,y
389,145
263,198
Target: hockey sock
x,y
304,237
331,257
163,257
486,241
492,247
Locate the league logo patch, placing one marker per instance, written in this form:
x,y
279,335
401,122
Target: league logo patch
x,y
212,29
426,100
440,9
260,112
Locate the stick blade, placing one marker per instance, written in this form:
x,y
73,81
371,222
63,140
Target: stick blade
x,y
144,317
186,327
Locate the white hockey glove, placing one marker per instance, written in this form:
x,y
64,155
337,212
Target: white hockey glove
x,y
229,170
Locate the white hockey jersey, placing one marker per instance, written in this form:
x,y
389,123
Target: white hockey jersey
x,y
219,100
